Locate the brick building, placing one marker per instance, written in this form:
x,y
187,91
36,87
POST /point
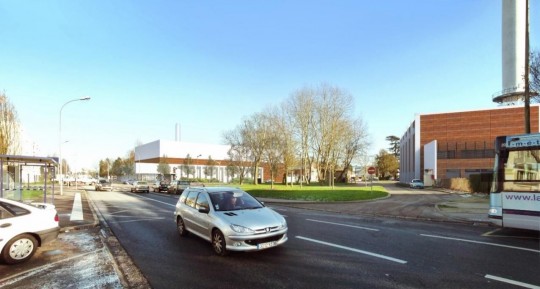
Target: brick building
x,y
456,144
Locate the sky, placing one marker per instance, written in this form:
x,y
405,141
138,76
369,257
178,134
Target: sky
x,y
207,65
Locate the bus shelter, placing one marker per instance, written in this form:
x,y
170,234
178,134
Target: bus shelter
x,y
14,169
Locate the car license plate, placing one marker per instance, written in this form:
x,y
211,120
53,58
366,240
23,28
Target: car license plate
x,y
266,245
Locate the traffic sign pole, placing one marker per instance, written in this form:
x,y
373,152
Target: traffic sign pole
x,y
371,171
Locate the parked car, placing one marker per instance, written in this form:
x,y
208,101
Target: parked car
x,y
140,186
103,185
416,184
229,218
161,186
25,227
177,187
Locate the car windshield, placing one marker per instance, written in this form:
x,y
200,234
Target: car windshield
x,y
233,200
141,183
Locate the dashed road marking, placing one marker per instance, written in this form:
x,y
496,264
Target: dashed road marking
x,y
513,282
479,242
345,225
150,199
353,250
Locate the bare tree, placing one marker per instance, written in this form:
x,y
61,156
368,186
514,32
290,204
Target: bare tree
x,y
534,75
9,127
239,154
163,168
187,166
300,110
313,127
333,109
288,144
210,167
275,142
128,164
354,144
255,134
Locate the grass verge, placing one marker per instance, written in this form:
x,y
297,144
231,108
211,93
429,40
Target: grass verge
x,y
316,193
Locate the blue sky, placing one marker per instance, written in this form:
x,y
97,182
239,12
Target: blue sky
x,y
148,65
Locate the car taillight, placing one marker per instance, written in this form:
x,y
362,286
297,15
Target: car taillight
x,y
56,218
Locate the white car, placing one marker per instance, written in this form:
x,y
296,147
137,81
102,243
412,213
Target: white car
x,y
230,219
24,227
140,186
416,184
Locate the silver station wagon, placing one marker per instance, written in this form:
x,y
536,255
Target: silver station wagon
x,y
229,218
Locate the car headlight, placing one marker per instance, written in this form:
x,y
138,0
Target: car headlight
x,y
283,224
241,229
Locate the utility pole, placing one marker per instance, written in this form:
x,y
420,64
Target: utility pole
x,y
527,96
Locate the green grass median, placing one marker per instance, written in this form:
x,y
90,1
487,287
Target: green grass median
x,y
316,193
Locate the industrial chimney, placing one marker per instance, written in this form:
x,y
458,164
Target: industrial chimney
x,y
514,13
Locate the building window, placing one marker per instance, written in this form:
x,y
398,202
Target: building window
x,y
453,173
442,155
477,154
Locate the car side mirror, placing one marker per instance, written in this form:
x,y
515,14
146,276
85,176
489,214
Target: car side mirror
x,y
204,210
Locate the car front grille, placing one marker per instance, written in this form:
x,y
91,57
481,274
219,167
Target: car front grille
x,y
266,230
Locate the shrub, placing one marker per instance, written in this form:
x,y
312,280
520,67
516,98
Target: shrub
x,y
456,184
481,183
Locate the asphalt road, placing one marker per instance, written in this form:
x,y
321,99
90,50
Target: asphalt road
x,y
325,250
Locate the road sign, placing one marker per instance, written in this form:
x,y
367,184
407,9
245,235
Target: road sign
x,y
371,170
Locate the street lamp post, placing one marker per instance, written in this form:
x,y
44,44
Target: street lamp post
x,y
60,141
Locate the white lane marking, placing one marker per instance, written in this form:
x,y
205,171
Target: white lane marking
x,y
345,225
478,242
76,210
156,201
509,281
353,249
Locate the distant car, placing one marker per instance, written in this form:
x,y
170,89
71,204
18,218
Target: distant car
x,y
161,186
103,185
140,186
24,227
416,184
177,187
229,218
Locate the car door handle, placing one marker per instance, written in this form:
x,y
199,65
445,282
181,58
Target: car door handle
x,y
5,225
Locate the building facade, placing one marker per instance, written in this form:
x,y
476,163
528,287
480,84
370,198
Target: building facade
x,y
176,153
457,144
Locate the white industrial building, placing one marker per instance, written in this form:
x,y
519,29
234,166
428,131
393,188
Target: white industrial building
x,y
174,153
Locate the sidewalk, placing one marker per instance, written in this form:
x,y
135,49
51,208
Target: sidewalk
x,y
69,219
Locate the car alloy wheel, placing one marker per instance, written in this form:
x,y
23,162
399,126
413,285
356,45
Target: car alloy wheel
x,y
19,249
181,227
218,242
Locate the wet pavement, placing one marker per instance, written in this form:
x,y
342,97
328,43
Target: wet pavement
x,y
88,255
85,254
